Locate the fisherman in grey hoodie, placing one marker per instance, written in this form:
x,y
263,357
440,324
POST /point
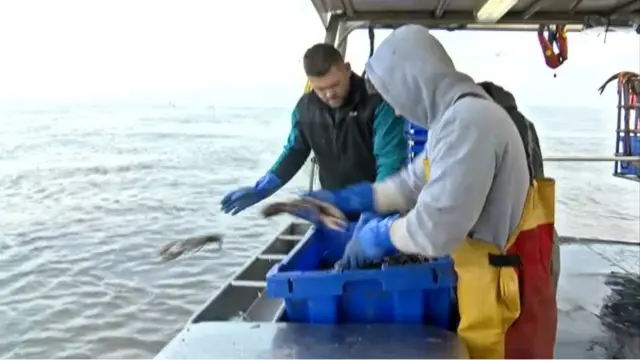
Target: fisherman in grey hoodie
x,y
474,197
478,168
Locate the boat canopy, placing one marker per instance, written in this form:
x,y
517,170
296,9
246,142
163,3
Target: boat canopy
x,y
480,14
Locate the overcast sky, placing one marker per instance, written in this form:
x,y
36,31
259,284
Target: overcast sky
x,y
83,50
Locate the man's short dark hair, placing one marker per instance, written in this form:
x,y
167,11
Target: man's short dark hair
x,y
319,59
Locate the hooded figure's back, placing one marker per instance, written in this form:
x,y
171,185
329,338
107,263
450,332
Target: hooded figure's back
x,y
525,127
478,175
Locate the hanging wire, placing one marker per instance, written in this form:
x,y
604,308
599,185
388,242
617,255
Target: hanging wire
x,y
372,41
372,45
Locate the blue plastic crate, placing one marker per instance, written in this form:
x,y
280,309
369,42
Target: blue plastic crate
x,y
627,167
413,294
410,125
420,138
414,150
418,132
417,138
415,129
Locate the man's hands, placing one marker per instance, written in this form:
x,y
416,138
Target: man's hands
x,y
238,200
371,241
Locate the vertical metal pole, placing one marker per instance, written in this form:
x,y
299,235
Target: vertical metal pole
x,y
312,176
616,165
342,35
330,38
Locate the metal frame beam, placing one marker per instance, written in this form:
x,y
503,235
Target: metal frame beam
x,y
626,14
442,6
429,18
533,8
473,27
331,30
491,6
630,6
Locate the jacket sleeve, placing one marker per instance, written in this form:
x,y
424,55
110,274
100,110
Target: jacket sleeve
x,y
463,162
399,192
389,143
295,153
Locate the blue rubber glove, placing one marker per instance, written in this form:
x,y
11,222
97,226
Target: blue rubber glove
x,y
238,200
357,198
371,241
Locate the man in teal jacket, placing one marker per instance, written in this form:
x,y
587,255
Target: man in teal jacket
x,y
355,135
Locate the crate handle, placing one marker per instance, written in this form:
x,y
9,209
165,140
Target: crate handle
x,y
290,285
435,276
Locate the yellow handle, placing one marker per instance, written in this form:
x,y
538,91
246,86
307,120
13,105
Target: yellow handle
x,y
307,87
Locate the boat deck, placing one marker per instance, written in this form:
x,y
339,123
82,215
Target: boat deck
x,y
584,329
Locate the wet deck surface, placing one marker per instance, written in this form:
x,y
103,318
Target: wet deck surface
x,y
228,340
584,330
582,292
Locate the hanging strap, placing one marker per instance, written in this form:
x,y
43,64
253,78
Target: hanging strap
x,y
372,41
372,45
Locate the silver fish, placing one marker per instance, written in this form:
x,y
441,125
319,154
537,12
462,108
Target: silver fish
x,y
329,215
175,249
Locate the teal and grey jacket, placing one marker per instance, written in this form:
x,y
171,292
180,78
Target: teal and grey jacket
x,y
363,140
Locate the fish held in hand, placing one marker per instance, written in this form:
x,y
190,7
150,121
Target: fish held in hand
x,y
174,249
309,209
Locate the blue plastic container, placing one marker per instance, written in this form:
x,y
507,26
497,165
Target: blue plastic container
x,y
627,167
416,139
419,138
409,125
416,130
416,148
409,294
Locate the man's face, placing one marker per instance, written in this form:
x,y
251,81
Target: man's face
x,y
333,87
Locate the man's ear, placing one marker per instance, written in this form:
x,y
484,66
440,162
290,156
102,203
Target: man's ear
x,y
347,67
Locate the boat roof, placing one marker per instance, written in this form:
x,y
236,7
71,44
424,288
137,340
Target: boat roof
x,y
460,14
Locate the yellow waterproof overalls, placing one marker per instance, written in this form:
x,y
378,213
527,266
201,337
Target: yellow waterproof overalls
x,y
506,299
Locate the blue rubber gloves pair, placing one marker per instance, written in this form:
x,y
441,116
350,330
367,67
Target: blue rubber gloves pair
x,y
238,200
371,239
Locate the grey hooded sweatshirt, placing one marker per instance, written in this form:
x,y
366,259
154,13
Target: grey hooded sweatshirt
x,y
478,169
